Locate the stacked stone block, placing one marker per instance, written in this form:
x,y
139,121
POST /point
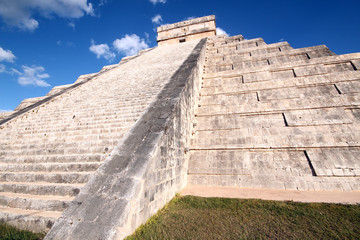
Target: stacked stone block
x,y
271,116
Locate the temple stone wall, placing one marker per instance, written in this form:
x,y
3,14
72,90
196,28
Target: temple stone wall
x,y
186,31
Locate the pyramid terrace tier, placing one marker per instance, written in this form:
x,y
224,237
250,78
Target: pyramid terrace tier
x,y
270,116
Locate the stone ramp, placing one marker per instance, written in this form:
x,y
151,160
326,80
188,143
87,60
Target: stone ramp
x,y
50,147
147,167
274,117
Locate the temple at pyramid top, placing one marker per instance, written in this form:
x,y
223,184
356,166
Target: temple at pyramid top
x,y
187,30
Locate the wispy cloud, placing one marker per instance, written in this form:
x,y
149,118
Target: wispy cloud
x,y
281,39
147,37
102,2
157,1
102,50
67,43
189,18
20,14
6,55
72,25
33,75
130,44
157,19
220,31
2,68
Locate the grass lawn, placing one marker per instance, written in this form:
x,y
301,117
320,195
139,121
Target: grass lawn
x,y
10,233
222,218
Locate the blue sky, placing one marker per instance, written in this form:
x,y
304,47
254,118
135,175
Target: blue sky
x,y
45,43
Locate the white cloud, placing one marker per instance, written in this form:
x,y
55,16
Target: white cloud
x,y
130,44
33,75
19,13
157,19
6,55
2,68
220,31
157,1
102,50
281,39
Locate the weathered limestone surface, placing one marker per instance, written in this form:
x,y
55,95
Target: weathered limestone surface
x,y
145,170
275,117
50,148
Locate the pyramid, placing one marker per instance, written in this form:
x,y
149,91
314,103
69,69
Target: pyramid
x,y
95,159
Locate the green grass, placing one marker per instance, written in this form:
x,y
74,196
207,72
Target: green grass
x,y
221,218
11,233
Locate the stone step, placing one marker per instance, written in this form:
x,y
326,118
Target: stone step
x,y
65,136
51,144
56,152
97,105
34,202
79,120
75,117
69,129
59,138
41,188
50,167
53,177
34,220
54,159
86,112
106,128
70,120
94,113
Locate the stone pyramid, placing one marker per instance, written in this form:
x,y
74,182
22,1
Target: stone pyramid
x,y
97,158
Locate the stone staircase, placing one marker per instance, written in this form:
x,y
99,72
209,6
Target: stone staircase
x,y
274,117
50,152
